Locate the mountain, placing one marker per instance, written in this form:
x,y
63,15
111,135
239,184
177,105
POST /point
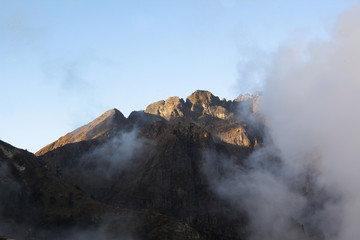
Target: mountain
x,y
148,168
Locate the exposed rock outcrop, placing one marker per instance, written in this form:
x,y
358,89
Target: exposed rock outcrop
x,y
203,103
172,108
225,119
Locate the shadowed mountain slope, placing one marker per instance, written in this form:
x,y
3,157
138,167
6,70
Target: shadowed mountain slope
x,y
35,204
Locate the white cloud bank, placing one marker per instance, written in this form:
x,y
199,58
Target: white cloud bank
x,y
310,101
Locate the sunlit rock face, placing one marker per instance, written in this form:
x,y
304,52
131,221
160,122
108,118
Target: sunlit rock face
x,y
204,103
172,108
112,120
198,104
225,119
236,136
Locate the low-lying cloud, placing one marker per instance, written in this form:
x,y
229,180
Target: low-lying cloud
x,y
115,155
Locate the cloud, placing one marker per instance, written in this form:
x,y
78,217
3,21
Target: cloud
x,y
258,188
252,70
67,75
310,102
16,26
115,155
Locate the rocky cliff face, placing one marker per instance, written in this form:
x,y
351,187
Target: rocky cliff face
x,y
204,103
172,108
147,169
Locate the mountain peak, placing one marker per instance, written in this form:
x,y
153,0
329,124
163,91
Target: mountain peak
x,y
199,103
171,108
112,111
110,120
203,97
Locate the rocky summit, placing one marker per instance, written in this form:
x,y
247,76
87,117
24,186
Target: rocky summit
x,y
142,177
199,104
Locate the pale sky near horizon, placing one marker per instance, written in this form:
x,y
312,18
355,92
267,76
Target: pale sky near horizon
x,y
65,62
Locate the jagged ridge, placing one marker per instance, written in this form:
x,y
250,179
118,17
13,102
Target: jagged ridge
x,y
197,107
198,104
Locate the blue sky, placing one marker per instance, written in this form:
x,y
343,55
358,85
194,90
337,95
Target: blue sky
x,y
64,62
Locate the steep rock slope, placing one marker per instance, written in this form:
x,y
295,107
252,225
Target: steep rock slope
x,y
110,121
